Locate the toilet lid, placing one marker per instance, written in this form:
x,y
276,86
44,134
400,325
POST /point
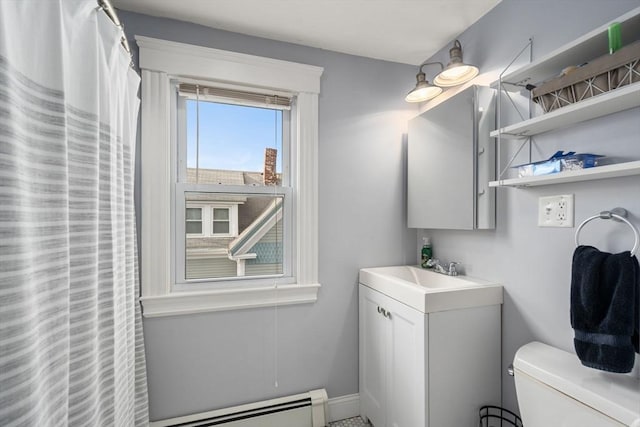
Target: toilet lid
x,y
616,395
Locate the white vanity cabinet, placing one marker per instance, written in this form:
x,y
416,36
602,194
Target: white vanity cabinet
x,y
426,369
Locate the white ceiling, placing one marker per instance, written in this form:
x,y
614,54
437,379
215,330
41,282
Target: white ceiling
x,y
405,31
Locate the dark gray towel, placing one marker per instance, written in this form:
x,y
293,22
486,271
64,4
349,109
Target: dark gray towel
x,y
605,289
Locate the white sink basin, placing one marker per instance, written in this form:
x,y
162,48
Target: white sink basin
x,y
428,291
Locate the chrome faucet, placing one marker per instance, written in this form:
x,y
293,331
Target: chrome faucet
x,y
435,265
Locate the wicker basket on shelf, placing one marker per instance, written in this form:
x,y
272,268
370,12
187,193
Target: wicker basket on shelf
x,y
601,75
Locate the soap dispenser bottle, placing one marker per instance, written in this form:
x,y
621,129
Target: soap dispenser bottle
x,y
427,253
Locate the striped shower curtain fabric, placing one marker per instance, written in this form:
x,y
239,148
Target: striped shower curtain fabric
x,y
71,349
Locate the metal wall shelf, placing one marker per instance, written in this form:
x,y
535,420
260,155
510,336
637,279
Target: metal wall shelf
x,y
579,51
583,49
617,100
599,172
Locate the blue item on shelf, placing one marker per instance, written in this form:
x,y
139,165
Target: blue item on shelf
x,y
559,162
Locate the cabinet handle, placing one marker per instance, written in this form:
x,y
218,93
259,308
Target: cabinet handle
x,y
384,312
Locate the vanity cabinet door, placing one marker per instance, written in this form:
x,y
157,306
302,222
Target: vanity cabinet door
x,y
373,345
406,366
450,161
393,379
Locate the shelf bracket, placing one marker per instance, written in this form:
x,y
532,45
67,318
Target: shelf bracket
x,y
501,83
525,142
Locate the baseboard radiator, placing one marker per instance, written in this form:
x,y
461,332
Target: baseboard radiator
x,y
299,410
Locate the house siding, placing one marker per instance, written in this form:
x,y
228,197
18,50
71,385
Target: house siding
x,y
269,250
205,268
268,262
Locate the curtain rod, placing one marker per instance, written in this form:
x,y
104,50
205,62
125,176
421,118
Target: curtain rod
x,y
111,13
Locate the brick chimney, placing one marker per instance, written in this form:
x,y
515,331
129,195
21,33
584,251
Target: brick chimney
x,y
270,177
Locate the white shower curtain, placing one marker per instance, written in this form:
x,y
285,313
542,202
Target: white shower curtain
x,y
71,350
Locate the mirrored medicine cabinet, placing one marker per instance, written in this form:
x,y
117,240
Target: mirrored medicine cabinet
x,y
450,161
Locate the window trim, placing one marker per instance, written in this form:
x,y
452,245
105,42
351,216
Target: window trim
x,y
161,61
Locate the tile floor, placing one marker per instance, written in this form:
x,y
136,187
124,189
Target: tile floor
x,y
350,422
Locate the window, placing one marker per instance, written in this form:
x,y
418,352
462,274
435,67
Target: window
x,y
193,224
209,220
220,224
229,180
233,147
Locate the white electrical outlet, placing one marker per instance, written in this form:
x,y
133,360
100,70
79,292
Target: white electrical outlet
x,y
555,211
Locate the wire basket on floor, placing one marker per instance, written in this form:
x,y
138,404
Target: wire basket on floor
x,y
495,416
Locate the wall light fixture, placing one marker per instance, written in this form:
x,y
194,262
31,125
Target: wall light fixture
x,y
455,73
424,90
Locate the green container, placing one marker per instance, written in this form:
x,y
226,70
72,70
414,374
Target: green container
x,y
615,37
426,253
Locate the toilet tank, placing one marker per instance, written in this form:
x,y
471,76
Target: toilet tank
x,y
554,389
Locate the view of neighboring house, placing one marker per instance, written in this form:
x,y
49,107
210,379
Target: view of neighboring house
x,y
233,235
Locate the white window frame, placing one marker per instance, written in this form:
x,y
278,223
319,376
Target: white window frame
x,y
179,149
207,219
213,220
233,231
160,62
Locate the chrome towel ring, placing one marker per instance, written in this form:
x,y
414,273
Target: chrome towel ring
x,y
618,214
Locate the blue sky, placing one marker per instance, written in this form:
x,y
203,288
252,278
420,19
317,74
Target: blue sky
x,y
233,137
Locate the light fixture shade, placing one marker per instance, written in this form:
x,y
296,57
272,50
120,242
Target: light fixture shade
x,y
456,72
423,91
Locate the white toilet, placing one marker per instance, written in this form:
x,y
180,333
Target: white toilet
x,y
555,390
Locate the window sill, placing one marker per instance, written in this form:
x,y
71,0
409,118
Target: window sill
x,y
179,303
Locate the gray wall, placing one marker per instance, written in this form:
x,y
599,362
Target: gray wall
x,y
208,361
534,264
